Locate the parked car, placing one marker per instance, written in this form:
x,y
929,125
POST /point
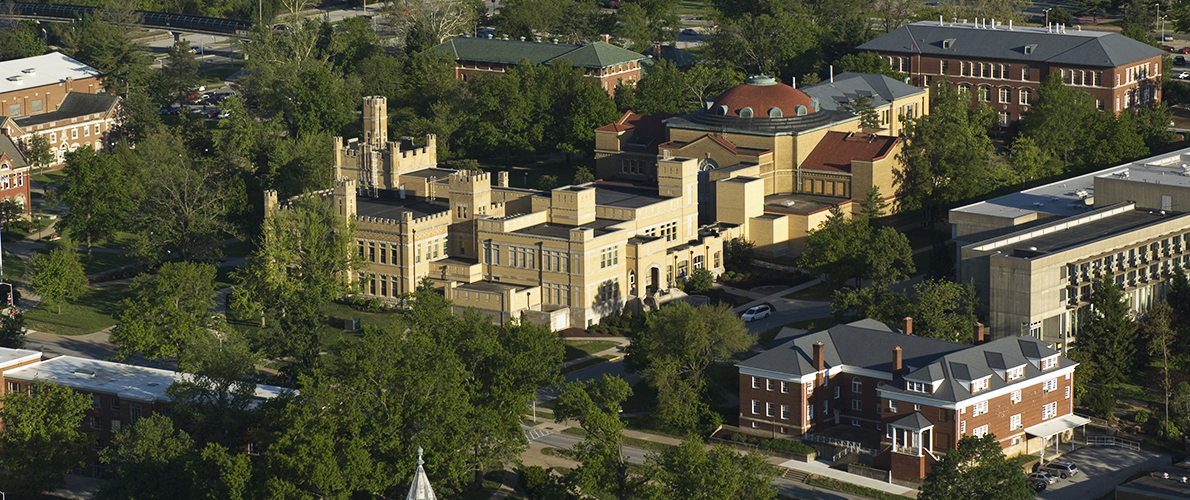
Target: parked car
x,y
1043,476
1061,469
1185,50
690,31
1039,484
1168,48
1182,75
1179,61
758,312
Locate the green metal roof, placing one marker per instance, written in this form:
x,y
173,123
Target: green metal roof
x,y
594,55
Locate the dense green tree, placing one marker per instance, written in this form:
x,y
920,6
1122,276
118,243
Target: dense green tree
x,y
976,470
166,311
1109,335
596,405
738,254
693,470
42,440
661,90
125,66
180,73
701,280
943,309
1029,162
99,189
12,331
780,53
868,62
673,352
217,402
1158,328
947,157
1178,294
875,205
12,214
58,276
38,152
645,22
20,39
850,248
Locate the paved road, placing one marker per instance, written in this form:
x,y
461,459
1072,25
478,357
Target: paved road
x,y
1101,468
637,456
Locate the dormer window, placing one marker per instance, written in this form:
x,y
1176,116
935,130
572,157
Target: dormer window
x,y
746,112
1030,48
980,385
1015,373
1049,362
917,387
948,43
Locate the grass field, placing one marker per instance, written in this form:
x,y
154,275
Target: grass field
x,y
95,310
697,7
14,268
101,261
820,291
578,348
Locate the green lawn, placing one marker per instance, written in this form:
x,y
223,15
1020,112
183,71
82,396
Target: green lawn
x,y
219,73
586,364
820,291
14,268
578,348
491,482
223,276
698,7
49,176
95,310
101,261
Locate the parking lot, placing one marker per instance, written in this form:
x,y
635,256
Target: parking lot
x,y
1101,468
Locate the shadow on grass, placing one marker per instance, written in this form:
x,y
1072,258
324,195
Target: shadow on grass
x,y
97,309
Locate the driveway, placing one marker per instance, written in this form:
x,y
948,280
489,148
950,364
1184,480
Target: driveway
x,y
1100,468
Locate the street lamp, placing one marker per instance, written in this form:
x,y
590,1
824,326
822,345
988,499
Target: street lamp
x,y
1163,28
1047,15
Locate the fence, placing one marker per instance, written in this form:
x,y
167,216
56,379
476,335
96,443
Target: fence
x,y
1113,441
846,447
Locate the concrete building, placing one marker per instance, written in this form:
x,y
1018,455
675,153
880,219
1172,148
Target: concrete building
x,y
120,393
602,61
1003,66
1034,255
772,159
565,257
907,400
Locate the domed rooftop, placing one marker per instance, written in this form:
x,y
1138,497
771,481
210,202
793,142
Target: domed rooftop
x,y
763,97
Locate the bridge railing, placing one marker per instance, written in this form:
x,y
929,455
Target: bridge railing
x,y
151,19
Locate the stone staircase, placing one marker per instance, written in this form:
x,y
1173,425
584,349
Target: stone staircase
x,y
795,475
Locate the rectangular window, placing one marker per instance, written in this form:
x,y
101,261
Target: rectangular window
x,y
96,401
1005,95
962,427
1049,411
115,404
809,389
784,387
770,409
1015,373
826,407
857,405
1014,422
115,425
35,106
755,383
979,408
1015,397
1049,385
134,413
14,110
97,444
1049,362
980,385
916,387
97,423
980,431
809,412
836,392
771,385
857,386
892,406
755,407
784,412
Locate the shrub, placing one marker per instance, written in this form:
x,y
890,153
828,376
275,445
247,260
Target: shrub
x,y
1101,402
699,282
788,445
1140,416
534,476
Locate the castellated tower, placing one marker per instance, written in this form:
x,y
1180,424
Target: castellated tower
x,y
376,121
470,194
344,197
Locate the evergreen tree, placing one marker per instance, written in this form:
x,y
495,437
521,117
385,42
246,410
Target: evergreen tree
x,y
1109,336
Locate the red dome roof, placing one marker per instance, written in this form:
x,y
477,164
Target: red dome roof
x,y
765,98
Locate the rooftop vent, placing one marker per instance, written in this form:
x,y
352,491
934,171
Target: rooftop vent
x,y
84,373
788,203
17,79
29,71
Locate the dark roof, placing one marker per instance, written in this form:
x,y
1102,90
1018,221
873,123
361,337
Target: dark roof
x,y
388,206
847,87
74,105
562,231
916,421
866,346
1083,233
493,50
1076,48
10,149
836,150
625,196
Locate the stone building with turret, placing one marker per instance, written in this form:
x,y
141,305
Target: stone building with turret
x,y
565,257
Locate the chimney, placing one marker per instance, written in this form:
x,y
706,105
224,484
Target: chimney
x,y
908,329
656,50
605,38
819,358
832,73
896,372
978,339
793,81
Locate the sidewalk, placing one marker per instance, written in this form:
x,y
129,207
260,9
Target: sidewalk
x,y
776,299
822,469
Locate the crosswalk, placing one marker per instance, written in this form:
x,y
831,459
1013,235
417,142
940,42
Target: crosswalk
x,y
533,433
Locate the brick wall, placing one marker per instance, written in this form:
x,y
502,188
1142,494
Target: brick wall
x,y
50,96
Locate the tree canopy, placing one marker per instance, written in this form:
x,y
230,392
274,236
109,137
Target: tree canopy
x,y
976,470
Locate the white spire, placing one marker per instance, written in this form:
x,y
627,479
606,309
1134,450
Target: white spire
x,y
420,489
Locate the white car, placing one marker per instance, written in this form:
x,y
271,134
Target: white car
x,y
1183,75
758,312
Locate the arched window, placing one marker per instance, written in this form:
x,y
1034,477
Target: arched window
x,y
857,385
1026,96
746,112
964,88
775,112
722,111
800,110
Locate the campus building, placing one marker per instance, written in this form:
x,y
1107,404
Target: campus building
x,y
1034,255
121,394
906,400
773,160
1003,66
602,61
563,257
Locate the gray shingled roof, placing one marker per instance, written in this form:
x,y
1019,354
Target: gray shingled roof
x,y
74,105
493,50
848,86
916,421
862,344
1076,48
10,149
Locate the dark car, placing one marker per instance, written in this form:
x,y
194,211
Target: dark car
x,y
1185,50
1179,61
1168,48
690,31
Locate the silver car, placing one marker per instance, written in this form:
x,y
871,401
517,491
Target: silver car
x,y
758,312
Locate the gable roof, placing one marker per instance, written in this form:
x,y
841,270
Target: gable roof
x,y
951,365
1078,48
9,149
723,143
75,105
848,86
594,55
836,150
648,131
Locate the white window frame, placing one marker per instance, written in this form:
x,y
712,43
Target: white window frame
x,y
857,386
1050,410
979,408
1014,422
756,407
980,431
857,405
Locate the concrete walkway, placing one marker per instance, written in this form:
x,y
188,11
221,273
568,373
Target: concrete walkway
x,y
776,299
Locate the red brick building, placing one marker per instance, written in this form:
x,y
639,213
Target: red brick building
x,y
914,397
121,394
1004,66
609,64
14,173
38,84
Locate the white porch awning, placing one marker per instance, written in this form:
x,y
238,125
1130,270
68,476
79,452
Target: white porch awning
x,y
1057,425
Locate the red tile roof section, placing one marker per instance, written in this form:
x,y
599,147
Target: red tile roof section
x,y
836,150
643,125
718,140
